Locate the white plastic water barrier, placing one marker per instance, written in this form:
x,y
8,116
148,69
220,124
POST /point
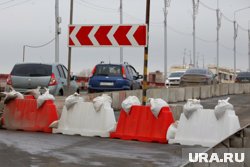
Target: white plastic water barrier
x,y
204,128
82,119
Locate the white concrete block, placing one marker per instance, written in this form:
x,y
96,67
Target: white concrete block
x,y
188,93
196,92
205,92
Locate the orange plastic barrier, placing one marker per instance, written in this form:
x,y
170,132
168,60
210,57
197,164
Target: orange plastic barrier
x,y
22,114
140,124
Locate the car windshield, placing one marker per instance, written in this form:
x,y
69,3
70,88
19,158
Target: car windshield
x,y
32,70
108,70
244,74
196,71
176,74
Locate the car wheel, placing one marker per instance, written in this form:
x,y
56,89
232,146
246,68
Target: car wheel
x,y
61,93
90,91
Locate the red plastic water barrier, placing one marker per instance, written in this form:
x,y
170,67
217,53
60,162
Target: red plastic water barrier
x,y
140,124
22,114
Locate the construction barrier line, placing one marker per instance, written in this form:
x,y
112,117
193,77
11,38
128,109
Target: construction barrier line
x,y
22,114
140,124
82,119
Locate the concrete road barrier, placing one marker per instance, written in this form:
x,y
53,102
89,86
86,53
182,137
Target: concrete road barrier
x,y
170,95
231,89
246,88
205,92
215,90
238,88
196,92
118,98
188,93
177,110
180,94
223,89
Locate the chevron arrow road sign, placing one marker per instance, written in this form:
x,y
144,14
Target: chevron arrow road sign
x,y
107,35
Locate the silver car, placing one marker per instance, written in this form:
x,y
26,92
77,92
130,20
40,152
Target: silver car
x,y
174,78
27,76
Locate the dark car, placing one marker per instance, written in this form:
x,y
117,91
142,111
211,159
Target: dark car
x,y
197,76
113,77
243,77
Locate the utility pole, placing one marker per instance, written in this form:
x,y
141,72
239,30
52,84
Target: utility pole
x,y
203,61
195,12
219,15
197,60
249,45
70,49
165,11
145,71
190,58
235,37
121,21
184,57
57,30
23,53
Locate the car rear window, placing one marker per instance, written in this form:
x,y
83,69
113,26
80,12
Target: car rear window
x,y
32,70
196,71
244,74
108,70
176,74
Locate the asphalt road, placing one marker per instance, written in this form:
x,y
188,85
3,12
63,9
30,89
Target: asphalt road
x,y
24,149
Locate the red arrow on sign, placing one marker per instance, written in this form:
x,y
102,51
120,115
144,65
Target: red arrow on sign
x,y
107,35
101,35
121,35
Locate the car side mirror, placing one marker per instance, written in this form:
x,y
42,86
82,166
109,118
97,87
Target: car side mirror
x,y
140,77
73,78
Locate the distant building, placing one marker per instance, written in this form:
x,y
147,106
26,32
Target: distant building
x,y
3,78
156,77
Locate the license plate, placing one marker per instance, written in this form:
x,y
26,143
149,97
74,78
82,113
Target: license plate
x,y
106,83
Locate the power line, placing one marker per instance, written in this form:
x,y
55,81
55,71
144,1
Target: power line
x,y
17,4
206,6
205,40
97,7
3,3
242,28
39,46
179,32
226,47
226,18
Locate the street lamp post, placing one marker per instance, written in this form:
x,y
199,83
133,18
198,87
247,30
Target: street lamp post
x,y
218,15
165,10
195,12
235,36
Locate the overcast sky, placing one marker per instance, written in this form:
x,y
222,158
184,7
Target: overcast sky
x,y
31,22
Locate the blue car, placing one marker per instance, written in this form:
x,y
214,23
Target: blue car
x,y
114,77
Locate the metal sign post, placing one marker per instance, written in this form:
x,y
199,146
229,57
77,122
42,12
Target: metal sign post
x,y
145,71
70,49
115,35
